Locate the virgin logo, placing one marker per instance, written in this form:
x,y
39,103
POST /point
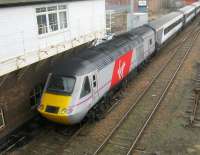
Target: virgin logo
x,y
121,69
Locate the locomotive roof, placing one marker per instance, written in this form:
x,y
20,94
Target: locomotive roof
x,y
96,58
158,23
142,31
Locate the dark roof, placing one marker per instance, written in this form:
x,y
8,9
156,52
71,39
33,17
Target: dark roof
x,y
96,58
142,31
9,3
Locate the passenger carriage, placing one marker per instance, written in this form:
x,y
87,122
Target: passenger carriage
x,y
166,26
189,13
197,7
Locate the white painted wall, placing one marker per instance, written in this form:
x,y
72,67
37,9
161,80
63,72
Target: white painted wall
x,y
135,20
21,45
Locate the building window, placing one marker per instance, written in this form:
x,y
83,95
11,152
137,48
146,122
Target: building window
x,y
2,121
52,18
53,22
63,20
42,24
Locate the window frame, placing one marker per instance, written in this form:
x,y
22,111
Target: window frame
x,y
56,92
46,13
150,42
83,85
3,119
46,27
49,26
60,11
172,26
190,13
94,81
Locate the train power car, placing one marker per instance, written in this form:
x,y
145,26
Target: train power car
x,y
77,84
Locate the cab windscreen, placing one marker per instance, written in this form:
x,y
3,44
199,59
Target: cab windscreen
x,y
62,85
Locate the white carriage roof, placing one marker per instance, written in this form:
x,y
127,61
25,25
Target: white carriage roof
x,y
96,58
196,3
159,23
9,3
187,8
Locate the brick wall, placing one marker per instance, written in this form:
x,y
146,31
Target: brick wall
x,y
157,5
190,1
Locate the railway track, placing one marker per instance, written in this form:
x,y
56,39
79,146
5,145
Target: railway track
x,y
23,136
70,135
193,109
126,134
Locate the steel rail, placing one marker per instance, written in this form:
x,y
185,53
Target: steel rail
x,y
195,106
137,100
162,97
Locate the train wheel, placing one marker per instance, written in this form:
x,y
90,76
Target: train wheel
x,y
91,116
99,114
107,100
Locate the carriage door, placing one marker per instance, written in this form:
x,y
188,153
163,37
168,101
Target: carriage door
x,y
95,92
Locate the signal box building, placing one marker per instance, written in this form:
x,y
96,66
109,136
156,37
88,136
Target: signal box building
x,y
34,30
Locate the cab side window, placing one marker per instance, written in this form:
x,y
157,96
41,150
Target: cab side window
x,y
86,87
150,42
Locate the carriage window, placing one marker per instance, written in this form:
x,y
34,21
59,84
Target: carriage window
x,y
2,122
172,26
189,14
86,87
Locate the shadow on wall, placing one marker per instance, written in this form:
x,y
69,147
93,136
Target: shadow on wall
x,y
20,91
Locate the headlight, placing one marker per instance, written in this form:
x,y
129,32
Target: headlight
x,y
63,111
66,111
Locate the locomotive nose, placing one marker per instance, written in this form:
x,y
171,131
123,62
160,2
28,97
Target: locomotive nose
x,y
54,107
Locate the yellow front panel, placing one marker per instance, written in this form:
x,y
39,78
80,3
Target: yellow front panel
x,y
56,100
60,101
